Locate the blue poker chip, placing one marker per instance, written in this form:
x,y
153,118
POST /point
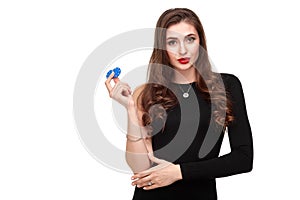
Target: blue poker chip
x,y
116,70
108,73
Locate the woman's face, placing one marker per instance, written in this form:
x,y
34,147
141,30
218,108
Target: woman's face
x,y
182,45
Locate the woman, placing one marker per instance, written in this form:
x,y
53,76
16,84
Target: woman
x,y
176,122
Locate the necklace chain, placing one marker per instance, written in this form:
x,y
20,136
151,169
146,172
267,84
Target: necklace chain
x,y
185,94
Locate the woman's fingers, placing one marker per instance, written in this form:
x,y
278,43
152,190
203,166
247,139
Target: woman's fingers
x,y
148,182
120,88
121,92
153,186
143,181
154,174
145,173
142,174
116,80
107,82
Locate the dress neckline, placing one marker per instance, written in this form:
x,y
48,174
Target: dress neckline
x,y
191,83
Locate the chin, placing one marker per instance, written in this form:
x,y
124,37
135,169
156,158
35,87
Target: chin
x,y
183,67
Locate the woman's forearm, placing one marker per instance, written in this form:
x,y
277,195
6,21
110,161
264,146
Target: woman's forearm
x,y
136,149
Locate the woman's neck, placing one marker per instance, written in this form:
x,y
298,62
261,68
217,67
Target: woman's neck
x,y
185,76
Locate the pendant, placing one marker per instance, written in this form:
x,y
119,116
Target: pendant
x,y
185,95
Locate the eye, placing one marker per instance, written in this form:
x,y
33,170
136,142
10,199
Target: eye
x,y
172,42
190,39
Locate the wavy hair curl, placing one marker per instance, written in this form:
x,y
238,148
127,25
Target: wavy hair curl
x,y
208,82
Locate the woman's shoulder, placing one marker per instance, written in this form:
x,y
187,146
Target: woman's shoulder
x,y
230,80
138,90
229,77
232,84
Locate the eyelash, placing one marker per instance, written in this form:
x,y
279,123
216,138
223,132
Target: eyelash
x,y
189,39
172,42
193,39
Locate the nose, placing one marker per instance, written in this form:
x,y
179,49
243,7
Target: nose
x,y
182,49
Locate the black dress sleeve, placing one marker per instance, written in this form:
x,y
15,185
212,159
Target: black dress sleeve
x,y
240,159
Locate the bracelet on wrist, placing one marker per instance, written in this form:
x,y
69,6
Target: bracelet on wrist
x,y
133,140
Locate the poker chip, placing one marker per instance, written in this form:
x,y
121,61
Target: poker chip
x,y
117,72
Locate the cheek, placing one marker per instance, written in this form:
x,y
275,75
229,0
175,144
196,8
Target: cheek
x,y
172,57
171,51
171,54
195,51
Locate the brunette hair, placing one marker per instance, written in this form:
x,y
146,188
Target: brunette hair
x,y
208,82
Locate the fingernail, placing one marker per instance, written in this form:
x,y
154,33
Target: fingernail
x,y
132,178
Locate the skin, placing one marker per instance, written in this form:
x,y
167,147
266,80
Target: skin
x,y
165,173
137,145
182,41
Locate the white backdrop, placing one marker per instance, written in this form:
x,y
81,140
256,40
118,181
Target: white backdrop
x,y
44,44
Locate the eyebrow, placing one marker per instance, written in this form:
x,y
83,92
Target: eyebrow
x,y
191,34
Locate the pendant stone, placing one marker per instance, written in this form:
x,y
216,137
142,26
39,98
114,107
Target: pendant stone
x,y
185,95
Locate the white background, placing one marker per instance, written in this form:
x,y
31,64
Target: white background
x,y
43,45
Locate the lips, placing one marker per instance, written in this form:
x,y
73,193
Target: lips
x,y
184,60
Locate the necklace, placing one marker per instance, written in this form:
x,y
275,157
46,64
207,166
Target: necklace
x,y
185,94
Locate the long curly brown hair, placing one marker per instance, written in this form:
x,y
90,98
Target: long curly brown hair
x,y
208,82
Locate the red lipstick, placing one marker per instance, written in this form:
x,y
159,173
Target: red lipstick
x,y
184,60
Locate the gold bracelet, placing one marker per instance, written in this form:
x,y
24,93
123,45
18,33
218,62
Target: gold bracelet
x,y
131,140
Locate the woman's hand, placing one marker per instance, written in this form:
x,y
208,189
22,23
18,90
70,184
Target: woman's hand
x,y
121,91
164,174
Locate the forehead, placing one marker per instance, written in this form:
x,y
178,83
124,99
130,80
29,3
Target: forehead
x,y
181,29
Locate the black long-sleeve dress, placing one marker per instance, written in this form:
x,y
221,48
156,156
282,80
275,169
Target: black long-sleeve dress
x,y
180,143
